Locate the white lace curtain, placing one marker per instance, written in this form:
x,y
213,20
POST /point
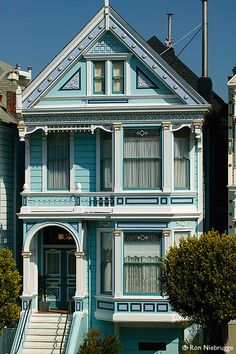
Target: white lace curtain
x,y
58,166
142,162
106,262
106,161
181,159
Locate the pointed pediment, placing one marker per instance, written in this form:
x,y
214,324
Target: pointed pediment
x,y
73,83
108,34
143,81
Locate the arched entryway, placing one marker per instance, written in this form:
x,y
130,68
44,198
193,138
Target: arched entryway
x,y
57,268
54,263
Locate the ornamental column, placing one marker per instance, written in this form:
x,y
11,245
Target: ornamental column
x,y
80,274
117,156
167,157
166,234
117,279
26,273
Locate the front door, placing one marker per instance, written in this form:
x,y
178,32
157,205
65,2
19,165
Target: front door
x,y
59,276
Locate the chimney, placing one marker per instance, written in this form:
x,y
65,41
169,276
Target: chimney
x,y
204,82
169,38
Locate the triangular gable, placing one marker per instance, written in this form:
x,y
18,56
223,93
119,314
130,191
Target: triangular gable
x,y
143,81
108,20
232,81
74,82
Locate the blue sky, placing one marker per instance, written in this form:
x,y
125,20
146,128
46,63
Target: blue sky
x,y
33,32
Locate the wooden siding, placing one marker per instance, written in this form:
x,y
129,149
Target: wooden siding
x,y
85,161
36,162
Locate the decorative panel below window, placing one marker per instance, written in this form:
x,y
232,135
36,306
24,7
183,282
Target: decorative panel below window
x,y
142,263
58,162
142,158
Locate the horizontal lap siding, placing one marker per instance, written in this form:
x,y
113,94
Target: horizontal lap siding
x,y
36,162
85,161
7,216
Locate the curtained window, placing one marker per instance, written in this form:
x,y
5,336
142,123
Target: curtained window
x,y
142,158
142,263
181,159
58,160
106,161
178,235
99,77
118,77
106,263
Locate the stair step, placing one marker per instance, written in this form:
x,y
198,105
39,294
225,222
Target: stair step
x,y
41,345
40,351
53,319
47,331
44,338
60,325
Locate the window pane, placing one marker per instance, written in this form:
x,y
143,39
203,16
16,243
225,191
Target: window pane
x,y
118,77
181,159
99,77
71,263
106,262
142,159
106,160
58,166
142,262
53,263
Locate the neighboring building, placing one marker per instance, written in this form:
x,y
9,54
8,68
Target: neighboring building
x,y
232,155
11,174
114,176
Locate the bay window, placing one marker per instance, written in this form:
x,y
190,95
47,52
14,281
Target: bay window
x,y
106,262
181,159
58,160
142,263
178,235
142,158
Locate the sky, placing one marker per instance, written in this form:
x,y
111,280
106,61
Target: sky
x,y
33,32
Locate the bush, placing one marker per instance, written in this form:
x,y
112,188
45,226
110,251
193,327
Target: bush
x,y
93,344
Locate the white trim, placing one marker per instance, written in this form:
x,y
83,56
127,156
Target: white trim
x,y
147,317
127,82
192,160
127,95
110,56
27,164
108,78
89,79
118,264
98,159
44,163
166,158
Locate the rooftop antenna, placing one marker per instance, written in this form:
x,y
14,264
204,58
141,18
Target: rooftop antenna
x,y
169,38
205,38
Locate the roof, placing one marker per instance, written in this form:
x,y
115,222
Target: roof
x,y
183,70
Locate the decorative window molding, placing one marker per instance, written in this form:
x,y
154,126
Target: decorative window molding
x,y
143,81
74,82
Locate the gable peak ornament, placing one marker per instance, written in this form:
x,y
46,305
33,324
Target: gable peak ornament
x,y
106,2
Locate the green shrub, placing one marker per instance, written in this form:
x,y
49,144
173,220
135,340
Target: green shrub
x,y
93,344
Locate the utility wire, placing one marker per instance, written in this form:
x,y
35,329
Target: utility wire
x,y
200,25
189,42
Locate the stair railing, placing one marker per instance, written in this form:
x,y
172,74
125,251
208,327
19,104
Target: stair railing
x,y
21,330
64,331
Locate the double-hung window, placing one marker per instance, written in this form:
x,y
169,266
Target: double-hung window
x,y
106,160
106,263
142,263
181,159
178,235
142,158
118,77
58,160
99,77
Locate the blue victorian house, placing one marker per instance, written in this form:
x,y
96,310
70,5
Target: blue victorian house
x,y
113,177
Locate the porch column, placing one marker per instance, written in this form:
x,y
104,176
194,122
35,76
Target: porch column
x,y
80,272
117,156
26,273
167,173
117,262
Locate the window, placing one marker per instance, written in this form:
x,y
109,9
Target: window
x,y
106,263
178,235
99,77
142,263
142,158
181,159
106,161
118,77
58,160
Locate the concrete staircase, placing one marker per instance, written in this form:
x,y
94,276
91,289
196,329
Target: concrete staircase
x,y
44,334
